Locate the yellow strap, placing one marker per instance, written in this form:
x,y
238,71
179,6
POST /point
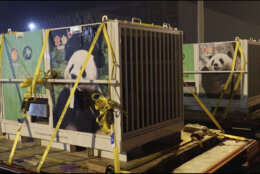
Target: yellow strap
x,y
37,70
110,49
233,65
1,51
28,82
109,104
198,141
70,97
115,152
204,108
235,137
229,78
28,95
104,105
113,60
237,82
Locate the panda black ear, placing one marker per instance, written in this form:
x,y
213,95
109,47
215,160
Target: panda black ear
x,y
210,57
230,54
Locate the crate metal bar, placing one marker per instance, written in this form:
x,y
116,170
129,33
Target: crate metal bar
x,y
151,78
180,76
213,72
83,25
157,93
164,78
137,80
172,76
112,82
126,78
168,75
147,79
160,75
142,74
179,68
131,78
176,77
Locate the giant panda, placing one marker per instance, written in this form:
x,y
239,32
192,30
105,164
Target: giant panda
x,y
81,114
213,83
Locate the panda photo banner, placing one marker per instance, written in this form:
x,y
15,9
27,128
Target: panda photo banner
x,y
67,52
88,56
87,60
215,57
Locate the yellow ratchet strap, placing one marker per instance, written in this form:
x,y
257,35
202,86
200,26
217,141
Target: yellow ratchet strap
x,y
28,95
103,105
237,82
222,134
115,150
70,97
106,121
235,137
108,104
28,82
229,77
204,108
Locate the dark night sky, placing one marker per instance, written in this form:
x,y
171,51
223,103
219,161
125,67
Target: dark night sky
x,y
17,14
226,19
20,9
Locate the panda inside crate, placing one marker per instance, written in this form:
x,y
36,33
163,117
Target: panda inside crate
x,y
81,114
213,84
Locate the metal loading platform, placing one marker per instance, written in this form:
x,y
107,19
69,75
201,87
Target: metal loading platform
x,y
206,155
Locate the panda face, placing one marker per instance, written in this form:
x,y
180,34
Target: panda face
x,y
73,73
220,62
74,66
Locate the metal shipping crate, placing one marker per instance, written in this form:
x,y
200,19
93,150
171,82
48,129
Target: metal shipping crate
x,y
147,84
208,80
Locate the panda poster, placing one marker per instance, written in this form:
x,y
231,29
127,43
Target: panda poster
x,y
68,52
217,57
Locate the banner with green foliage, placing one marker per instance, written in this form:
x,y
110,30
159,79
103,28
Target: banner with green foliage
x,y
188,61
19,60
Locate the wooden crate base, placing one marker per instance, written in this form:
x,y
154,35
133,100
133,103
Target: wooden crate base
x,y
70,148
191,104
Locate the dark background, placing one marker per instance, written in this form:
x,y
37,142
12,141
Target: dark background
x,y
223,20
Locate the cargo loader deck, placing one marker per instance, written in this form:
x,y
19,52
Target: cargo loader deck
x,y
162,155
